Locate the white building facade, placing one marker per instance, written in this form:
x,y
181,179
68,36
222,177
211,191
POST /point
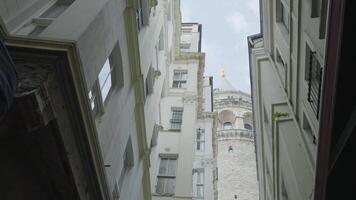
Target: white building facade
x,y
183,161
286,66
94,73
236,159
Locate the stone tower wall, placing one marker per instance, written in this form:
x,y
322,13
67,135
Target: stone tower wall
x,y
237,170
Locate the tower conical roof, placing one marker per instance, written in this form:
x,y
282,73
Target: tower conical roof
x,y
225,85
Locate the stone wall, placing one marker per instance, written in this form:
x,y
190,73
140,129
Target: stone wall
x,y
237,170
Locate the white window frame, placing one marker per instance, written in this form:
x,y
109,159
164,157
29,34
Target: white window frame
x,y
97,99
200,141
107,75
180,78
176,122
199,178
225,126
186,30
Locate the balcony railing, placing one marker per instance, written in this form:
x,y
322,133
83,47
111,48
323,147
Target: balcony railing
x,y
235,133
314,83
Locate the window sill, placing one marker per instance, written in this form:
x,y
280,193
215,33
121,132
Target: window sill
x,y
175,130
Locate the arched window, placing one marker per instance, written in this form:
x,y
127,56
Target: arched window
x,y
248,126
227,125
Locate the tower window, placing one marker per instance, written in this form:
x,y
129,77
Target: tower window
x,y
248,126
227,125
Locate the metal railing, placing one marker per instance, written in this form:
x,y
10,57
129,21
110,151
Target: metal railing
x,y
314,83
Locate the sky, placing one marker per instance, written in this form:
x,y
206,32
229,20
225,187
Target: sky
x,y
225,27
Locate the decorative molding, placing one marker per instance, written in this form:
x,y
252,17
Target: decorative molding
x,y
235,134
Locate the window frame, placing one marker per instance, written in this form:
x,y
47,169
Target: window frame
x,y
166,176
283,14
185,47
225,125
116,79
176,120
281,68
38,23
109,74
199,186
181,82
200,141
312,60
248,125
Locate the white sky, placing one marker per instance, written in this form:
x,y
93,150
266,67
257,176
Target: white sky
x,y
226,25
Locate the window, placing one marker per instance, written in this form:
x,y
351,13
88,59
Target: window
x,y
128,163
38,24
109,76
176,121
139,15
279,58
313,76
315,8
180,78
199,183
105,79
186,30
282,13
161,41
248,126
285,16
200,139
184,47
93,98
227,125
149,82
57,9
281,67
166,177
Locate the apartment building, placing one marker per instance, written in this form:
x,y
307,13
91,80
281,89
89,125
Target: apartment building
x,y
287,66
183,161
79,126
